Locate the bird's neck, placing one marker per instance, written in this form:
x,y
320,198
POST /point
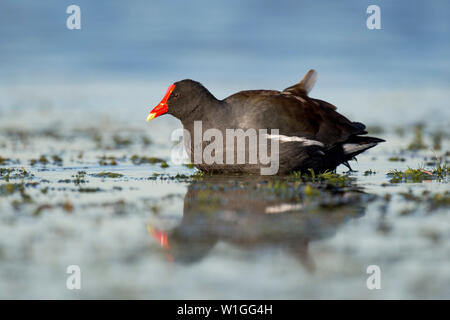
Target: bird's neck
x,y
204,105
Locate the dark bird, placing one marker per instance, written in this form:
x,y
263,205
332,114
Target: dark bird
x,y
311,134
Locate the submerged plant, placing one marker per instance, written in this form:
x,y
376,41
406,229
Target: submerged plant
x,y
137,160
417,143
107,175
441,171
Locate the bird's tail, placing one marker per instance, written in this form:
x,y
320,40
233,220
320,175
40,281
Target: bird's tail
x,y
357,144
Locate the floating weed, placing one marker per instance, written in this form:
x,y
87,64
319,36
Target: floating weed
x,y
121,142
310,191
439,200
89,190
11,188
296,174
107,175
146,141
40,208
441,170
189,165
57,160
397,159
369,172
164,165
432,201
137,160
13,173
80,177
42,160
334,179
107,161
437,140
4,161
417,143
326,177
409,175
67,206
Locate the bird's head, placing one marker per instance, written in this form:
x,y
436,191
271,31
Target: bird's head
x,y
181,98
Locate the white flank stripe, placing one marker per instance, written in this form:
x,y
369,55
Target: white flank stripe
x,y
283,208
304,141
354,147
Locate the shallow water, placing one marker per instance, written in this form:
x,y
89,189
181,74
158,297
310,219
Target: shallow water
x,y
80,98
150,234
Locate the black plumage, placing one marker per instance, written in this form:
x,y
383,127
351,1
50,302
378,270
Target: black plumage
x,y
312,134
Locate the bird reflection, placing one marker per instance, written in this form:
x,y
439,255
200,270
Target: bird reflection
x,y
254,213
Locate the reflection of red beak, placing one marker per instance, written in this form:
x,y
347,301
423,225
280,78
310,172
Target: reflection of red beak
x,y
162,107
159,236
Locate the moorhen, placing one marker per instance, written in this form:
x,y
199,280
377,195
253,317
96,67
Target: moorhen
x,y
311,134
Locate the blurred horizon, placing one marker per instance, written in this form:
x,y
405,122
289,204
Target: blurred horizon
x,y
230,46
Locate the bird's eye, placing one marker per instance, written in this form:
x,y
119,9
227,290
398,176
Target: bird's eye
x,y
176,95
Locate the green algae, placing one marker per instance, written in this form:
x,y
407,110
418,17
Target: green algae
x,y
138,160
417,143
107,175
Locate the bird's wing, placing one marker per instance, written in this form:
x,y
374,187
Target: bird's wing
x,y
293,115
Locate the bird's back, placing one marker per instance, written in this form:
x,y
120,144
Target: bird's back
x,y
293,115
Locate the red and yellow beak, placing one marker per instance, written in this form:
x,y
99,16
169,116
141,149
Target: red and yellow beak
x,y
162,107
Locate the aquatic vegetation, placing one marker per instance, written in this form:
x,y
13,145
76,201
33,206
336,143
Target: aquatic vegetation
x,y
409,175
338,180
441,170
369,172
439,200
14,173
396,159
417,143
12,188
4,161
437,140
146,141
327,177
108,161
138,160
80,177
309,190
164,165
121,142
431,200
107,175
66,206
89,190
42,160
57,160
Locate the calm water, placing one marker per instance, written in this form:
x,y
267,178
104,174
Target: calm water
x,y
82,95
